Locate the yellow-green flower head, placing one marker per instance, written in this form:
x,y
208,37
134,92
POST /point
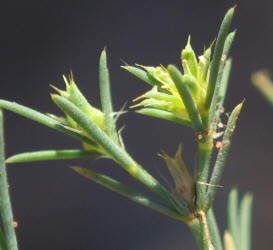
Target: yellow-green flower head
x,y
74,95
164,100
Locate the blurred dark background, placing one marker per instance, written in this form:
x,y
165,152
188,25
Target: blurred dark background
x,y
41,40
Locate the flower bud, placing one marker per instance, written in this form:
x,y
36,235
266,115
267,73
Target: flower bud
x,y
189,61
74,95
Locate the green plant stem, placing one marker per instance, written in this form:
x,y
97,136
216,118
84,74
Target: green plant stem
x,y
5,204
205,147
114,151
45,155
199,229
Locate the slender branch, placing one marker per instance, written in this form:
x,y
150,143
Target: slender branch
x,y
5,204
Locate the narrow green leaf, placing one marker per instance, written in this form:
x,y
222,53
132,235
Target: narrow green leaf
x,y
46,155
143,75
233,217
126,191
216,101
5,204
105,96
217,55
44,119
187,97
222,155
117,153
162,114
3,244
214,230
245,222
224,83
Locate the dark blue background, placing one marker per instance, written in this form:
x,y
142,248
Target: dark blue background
x,y
41,40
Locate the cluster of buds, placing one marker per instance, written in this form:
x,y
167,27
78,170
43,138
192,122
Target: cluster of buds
x,y
75,96
164,100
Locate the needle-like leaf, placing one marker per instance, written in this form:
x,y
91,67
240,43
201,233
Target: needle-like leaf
x,y
44,119
217,55
233,217
105,96
214,230
216,101
46,155
222,155
126,191
187,97
166,115
245,222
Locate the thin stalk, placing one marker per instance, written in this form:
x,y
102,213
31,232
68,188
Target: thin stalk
x,y
114,151
205,148
44,119
199,228
197,231
5,204
105,96
128,192
45,155
222,156
217,55
214,230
